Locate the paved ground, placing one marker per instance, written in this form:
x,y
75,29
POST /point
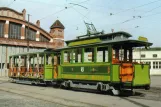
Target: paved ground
x,y
14,100
151,98
156,81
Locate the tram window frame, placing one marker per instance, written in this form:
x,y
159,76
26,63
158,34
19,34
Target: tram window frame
x,y
15,60
41,60
23,61
48,59
104,55
92,57
76,52
68,57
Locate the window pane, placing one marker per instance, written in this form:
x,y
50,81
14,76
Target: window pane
x,y
142,55
43,38
1,29
14,31
67,56
155,55
154,65
31,35
89,55
77,56
102,54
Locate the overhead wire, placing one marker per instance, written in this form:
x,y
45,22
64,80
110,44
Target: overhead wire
x,y
152,9
11,3
81,13
136,7
62,10
141,17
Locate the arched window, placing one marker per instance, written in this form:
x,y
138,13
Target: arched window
x,y
1,29
32,34
43,38
14,30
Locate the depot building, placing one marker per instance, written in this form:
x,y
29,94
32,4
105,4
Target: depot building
x,y
16,34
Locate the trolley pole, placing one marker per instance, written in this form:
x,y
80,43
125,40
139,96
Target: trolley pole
x,y
28,33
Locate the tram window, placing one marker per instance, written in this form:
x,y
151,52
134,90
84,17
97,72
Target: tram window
x,y
31,61
88,54
55,60
41,61
102,54
124,54
49,60
23,60
15,62
67,56
77,55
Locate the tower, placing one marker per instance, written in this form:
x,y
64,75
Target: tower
x,y
57,32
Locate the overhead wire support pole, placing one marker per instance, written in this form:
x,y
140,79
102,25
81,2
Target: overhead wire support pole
x,y
27,37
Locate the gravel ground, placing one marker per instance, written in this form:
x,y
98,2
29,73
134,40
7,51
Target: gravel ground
x,y
14,100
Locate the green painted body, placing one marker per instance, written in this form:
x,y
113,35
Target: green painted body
x,y
48,72
95,71
99,72
141,75
115,73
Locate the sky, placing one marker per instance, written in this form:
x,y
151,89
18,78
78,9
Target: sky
x,y
137,17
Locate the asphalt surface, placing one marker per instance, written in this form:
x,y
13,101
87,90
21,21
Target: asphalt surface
x,y
8,99
16,95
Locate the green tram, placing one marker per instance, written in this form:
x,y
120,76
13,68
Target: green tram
x,y
101,62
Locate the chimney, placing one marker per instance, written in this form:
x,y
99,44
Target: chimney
x,y
38,23
24,14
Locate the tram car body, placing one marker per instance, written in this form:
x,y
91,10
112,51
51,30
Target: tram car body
x,y
103,62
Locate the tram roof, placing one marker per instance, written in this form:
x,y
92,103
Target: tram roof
x,y
31,53
85,37
118,43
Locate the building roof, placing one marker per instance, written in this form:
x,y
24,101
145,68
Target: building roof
x,y
6,8
150,49
57,24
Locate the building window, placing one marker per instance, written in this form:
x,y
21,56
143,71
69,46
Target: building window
x,y
43,38
149,64
59,33
14,31
142,55
156,65
154,55
159,65
32,34
1,29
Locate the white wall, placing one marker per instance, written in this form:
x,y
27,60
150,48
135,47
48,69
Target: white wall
x,y
155,62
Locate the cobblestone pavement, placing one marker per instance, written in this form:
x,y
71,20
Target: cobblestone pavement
x,y
14,100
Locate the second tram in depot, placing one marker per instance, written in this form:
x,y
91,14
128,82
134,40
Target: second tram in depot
x,y
102,62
